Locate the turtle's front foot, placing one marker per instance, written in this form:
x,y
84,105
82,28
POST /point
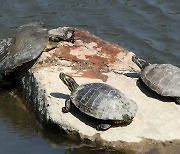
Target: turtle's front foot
x,y
64,110
139,80
103,127
67,107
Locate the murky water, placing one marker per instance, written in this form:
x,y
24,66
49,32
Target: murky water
x,y
149,28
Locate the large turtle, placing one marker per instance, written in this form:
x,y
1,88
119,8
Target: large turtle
x,y
24,44
100,101
164,79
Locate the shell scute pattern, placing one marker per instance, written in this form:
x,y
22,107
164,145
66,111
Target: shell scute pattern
x,y
163,79
103,102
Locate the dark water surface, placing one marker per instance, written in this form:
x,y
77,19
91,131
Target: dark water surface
x,y
149,28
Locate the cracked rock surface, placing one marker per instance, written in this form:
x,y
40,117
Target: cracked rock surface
x,y
91,59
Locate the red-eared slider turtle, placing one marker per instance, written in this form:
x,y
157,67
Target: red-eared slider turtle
x,y
100,101
164,79
26,43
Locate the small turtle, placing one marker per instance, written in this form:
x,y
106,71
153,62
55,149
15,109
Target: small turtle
x,y
100,101
25,44
164,79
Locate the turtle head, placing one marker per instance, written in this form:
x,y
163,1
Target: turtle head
x,y
141,63
68,81
52,43
57,35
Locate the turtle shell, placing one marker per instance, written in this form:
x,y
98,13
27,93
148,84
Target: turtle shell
x,y
163,79
104,102
22,45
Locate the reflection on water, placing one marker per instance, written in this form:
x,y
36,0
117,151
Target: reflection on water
x,y
149,28
18,128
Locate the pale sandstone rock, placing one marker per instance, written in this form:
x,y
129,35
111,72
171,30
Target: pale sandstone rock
x,y
156,118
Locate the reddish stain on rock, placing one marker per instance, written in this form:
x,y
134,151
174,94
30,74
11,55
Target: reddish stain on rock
x,y
110,49
63,52
95,55
93,74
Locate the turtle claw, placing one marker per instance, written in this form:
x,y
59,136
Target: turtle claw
x,y
103,127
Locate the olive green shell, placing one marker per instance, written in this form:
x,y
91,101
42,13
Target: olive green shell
x,y
104,102
163,79
22,45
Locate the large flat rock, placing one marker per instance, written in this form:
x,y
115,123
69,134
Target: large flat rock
x,y
91,59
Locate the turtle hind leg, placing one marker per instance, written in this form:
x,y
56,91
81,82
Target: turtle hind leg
x,y
178,100
103,127
67,107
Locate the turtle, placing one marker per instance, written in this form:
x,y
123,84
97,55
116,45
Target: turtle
x,y
23,45
100,101
164,79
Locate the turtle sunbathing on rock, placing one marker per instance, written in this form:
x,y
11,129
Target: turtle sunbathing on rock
x,y
100,101
164,79
26,43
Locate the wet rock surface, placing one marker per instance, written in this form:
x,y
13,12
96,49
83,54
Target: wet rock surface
x,y
91,59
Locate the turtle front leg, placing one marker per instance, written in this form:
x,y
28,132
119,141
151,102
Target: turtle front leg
x,y
139,80
67,107
103,127
178,100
